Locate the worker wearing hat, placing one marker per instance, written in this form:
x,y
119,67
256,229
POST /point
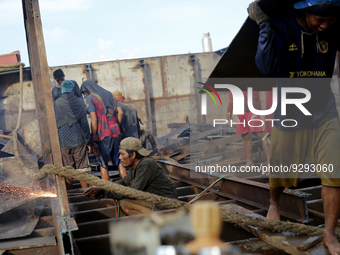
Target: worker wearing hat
x,y
59,77
130,117
129,123
145,175
297,45
73,131
132,127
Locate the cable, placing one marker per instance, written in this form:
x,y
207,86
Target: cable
x,y
209,187
118,207
115,207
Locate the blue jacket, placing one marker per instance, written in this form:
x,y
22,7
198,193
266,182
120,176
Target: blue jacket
x,y
286,50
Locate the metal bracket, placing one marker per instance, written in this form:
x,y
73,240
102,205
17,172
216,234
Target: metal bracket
x,y
66,224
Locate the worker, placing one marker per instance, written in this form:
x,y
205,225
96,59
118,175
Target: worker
x,y
59,77
73,131
130,123
145,175
106,116
146,134
304,43
245,129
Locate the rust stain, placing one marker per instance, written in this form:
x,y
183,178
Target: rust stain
x,y
164,81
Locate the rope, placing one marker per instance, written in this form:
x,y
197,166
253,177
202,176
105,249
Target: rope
x,y
145,196
297,228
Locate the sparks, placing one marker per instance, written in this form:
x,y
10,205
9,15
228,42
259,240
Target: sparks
x,y
40,193
28,193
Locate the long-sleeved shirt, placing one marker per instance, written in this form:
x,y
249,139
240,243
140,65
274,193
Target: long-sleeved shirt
x,y
149,177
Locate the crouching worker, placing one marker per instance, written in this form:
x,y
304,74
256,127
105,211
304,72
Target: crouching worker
x,y
73,131
144,174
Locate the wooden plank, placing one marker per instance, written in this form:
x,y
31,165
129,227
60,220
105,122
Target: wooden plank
x,y
285,241
45,110
181,156
310,242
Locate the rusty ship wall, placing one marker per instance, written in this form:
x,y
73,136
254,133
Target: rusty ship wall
x,y
9,99
163,81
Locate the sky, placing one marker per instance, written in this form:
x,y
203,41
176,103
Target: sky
x,y
84,31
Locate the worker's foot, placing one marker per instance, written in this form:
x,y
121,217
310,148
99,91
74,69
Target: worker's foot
x,y
273,211
331,243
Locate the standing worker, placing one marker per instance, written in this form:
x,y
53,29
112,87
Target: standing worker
x,y
73,131
105,121
130,123
304,43
59,77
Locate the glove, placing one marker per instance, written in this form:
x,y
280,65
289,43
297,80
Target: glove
x,y
256,14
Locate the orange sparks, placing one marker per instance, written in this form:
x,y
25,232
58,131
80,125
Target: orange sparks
x,y
40,193
28,193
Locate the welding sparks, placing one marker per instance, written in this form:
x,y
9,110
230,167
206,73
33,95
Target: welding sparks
x,y
40,193
27,193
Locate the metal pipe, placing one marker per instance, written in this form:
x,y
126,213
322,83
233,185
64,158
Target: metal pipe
x,y
89,69
206,42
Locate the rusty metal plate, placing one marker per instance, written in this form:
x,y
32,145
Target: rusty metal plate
x,y
293,203
22,220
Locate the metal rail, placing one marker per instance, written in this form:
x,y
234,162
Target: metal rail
x,y
293,203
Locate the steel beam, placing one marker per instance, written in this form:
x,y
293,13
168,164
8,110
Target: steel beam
x,y
95,214
293,203
147,85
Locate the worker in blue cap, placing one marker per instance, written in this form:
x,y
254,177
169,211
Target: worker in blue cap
x,y
73,131
293,47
